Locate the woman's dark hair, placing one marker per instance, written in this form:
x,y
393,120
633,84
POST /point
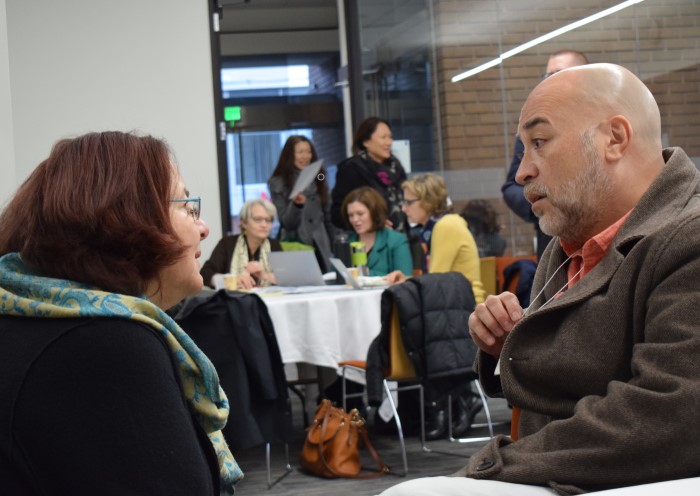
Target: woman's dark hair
x,y
370,198
365,131
97,211
285,166
481,217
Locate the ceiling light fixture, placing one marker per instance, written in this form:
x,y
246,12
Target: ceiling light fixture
x,y
544,38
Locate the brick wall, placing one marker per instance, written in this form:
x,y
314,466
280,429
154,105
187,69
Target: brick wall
x,y
659,40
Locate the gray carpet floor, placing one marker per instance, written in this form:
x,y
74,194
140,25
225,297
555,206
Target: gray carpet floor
x,y
446,458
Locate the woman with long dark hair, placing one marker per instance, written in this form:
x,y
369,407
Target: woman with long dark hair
x,y
306,217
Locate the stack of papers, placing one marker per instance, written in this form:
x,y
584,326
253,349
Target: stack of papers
x,y
306,177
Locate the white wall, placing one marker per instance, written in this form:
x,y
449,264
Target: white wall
x,y
7,148
90,65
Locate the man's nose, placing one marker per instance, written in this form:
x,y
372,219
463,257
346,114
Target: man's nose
x,y
527,170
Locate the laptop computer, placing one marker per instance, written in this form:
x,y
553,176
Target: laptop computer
x,y
372,282
343,271
296,268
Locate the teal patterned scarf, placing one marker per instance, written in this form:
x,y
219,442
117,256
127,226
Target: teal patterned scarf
x,y
24,294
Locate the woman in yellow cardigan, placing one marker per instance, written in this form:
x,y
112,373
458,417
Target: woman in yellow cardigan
x,y
448,246
447,242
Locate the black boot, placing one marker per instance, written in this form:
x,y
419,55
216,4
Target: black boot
x,y
465,406
435,422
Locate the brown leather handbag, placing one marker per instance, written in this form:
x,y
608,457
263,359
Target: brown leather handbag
x,y
332,446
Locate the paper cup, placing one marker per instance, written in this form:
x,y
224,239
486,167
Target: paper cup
x,y
231,282
354,273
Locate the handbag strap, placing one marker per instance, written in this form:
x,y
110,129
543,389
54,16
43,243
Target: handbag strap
x,y
383,468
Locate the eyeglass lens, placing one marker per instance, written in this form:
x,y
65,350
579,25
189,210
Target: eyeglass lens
x,y
260,220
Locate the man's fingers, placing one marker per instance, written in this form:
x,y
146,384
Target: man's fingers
x,y
493,349
492,320
505,309
512,306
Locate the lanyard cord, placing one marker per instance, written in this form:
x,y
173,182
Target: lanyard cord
x,y
577,252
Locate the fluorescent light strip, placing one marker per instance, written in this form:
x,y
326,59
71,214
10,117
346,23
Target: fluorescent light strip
x,y
544,38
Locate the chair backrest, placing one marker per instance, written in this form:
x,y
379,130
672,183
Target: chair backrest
x,y
235,331
400,366
295,246
489,280
501,264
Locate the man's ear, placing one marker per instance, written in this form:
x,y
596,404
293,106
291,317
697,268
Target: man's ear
x,y
619,134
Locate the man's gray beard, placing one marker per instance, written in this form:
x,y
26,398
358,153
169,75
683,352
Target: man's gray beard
x,y
579,202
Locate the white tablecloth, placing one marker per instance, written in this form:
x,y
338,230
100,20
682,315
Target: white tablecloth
x,y
323,328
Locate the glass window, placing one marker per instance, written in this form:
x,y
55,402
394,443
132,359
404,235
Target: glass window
x,y
251,159
262,78
269,98
467,128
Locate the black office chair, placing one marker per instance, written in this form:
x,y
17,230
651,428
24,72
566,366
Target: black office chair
x,y
425,309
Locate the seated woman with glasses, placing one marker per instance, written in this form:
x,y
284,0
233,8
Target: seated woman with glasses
x,y
447,243
246,255
448,246
95,245
365,211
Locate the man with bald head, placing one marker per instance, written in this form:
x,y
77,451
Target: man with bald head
x,y
511,190
602,366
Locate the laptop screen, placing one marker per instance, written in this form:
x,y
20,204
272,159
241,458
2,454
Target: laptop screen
x,y
296,268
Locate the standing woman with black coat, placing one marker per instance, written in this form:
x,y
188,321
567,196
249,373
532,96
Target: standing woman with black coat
x,y
372,165
305,218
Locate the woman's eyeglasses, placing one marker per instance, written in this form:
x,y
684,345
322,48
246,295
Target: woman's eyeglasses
x,y
260,220
193,206
408,203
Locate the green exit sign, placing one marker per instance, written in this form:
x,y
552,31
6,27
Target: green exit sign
x,y
232,113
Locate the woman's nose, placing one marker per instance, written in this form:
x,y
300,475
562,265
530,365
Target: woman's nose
x,y
203,229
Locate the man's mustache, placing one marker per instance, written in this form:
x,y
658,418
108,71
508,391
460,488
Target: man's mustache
x,y
533,191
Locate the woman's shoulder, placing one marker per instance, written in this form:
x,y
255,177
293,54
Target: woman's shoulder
x,y
228,241
393,237
352,160
451,221
354,165
93,337
127,332
276,183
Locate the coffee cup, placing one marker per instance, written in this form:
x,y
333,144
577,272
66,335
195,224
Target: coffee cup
x,y
231,282
354,273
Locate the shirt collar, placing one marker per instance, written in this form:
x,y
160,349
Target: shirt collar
x,y
597,247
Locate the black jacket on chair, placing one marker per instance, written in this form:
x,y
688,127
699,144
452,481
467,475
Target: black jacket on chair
x,y
235,331
433,313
